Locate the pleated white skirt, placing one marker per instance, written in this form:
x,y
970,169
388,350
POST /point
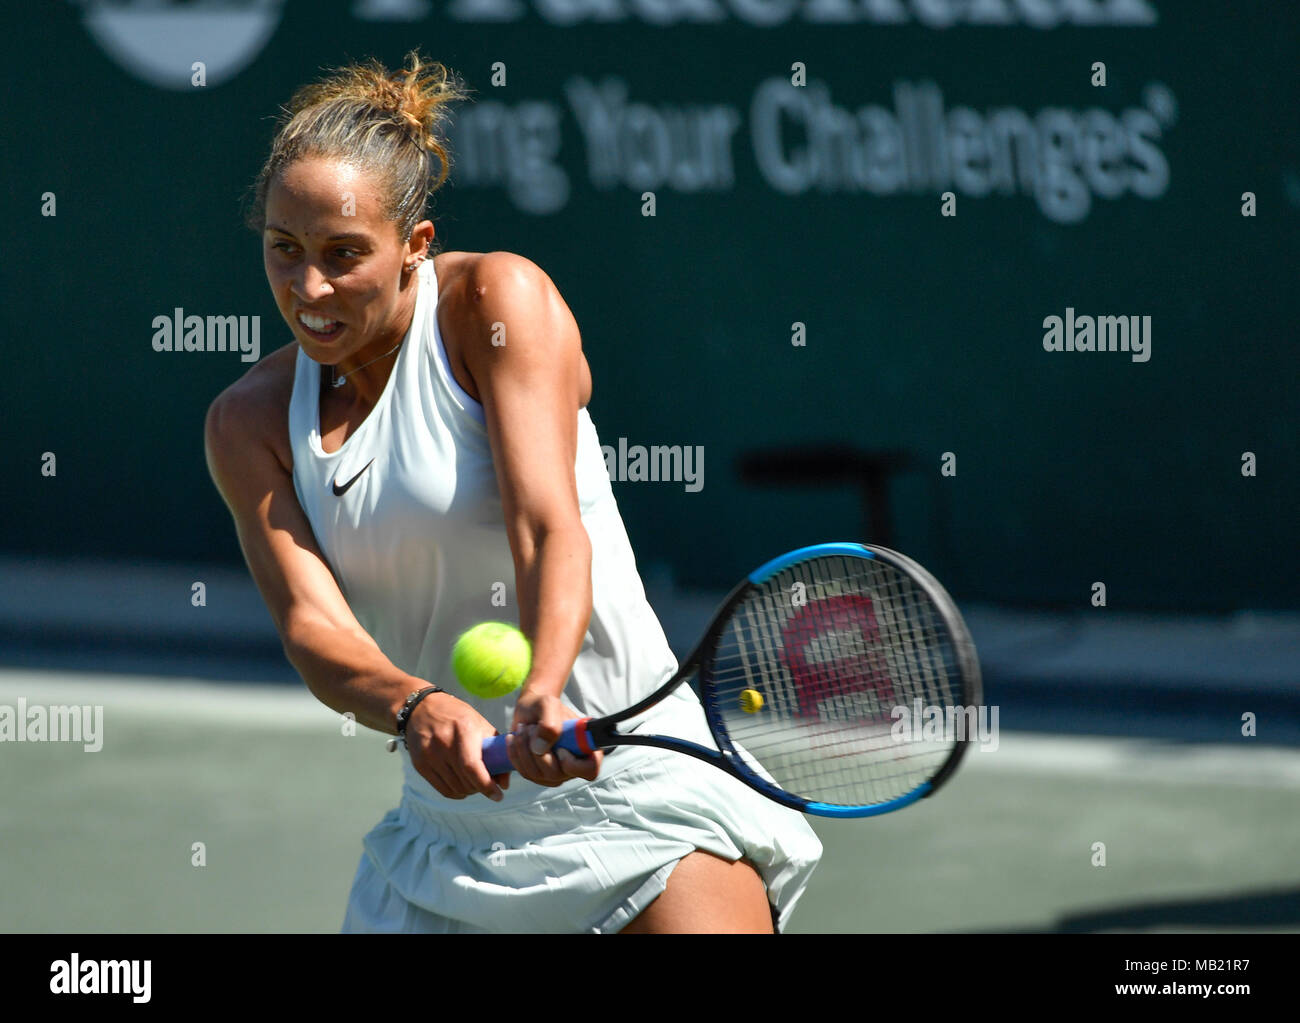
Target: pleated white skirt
x,y
585,857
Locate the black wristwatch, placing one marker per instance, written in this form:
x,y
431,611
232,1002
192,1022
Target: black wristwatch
x,y
404,715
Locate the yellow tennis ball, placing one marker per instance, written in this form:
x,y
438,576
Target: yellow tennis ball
x,y
492,659
751,701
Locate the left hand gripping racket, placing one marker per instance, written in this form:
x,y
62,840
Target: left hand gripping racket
x,y
816,674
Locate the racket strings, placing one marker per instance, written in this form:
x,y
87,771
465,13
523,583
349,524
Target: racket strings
x,y
849,658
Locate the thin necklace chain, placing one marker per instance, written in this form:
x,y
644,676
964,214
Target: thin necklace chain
x,y
344,378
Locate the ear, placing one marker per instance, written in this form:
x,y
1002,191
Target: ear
x,y
420,240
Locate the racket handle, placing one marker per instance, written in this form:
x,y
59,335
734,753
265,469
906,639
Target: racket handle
x,y
573,737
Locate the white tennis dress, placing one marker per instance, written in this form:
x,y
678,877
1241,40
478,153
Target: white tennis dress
x,y
418,545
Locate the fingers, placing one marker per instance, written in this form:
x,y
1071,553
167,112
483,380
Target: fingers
x,y
551,767
547,730
580,767
448,753
542,768
457,780
432,772
470,766
443,776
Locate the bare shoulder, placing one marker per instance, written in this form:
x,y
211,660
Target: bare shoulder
x,y
476,290
471,281
255,408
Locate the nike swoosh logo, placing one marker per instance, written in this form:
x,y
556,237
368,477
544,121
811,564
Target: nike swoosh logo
x,y
340,491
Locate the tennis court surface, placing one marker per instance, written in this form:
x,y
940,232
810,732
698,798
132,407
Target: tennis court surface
x,y
262,786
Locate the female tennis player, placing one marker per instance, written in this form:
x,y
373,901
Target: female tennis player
x,y
420,459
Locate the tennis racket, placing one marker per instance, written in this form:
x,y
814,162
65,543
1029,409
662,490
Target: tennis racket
x,y
801,673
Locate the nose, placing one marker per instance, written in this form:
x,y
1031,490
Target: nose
x,y
310,284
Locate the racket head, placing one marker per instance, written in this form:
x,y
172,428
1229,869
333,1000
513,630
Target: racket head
x,y
848,647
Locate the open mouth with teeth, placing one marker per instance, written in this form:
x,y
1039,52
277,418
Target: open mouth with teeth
x,y
319,326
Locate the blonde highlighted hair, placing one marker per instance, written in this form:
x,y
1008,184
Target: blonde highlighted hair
x,y
387,124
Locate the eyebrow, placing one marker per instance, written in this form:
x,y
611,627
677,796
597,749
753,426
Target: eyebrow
x,y
332,238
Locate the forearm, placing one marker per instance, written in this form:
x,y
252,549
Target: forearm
x,y
553,583
348,673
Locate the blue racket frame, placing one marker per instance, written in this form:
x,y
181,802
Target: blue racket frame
x,y
602,733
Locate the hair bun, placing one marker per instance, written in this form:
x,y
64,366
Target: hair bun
x,y
387,122
417,95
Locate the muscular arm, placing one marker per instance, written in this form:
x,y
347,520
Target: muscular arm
x,y
530,388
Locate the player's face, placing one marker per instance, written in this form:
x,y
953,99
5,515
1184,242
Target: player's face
x,y
334,263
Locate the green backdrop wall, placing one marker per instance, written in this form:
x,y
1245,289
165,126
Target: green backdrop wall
x,y
775,203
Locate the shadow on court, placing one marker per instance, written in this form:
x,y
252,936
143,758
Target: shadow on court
x,y
1278,910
